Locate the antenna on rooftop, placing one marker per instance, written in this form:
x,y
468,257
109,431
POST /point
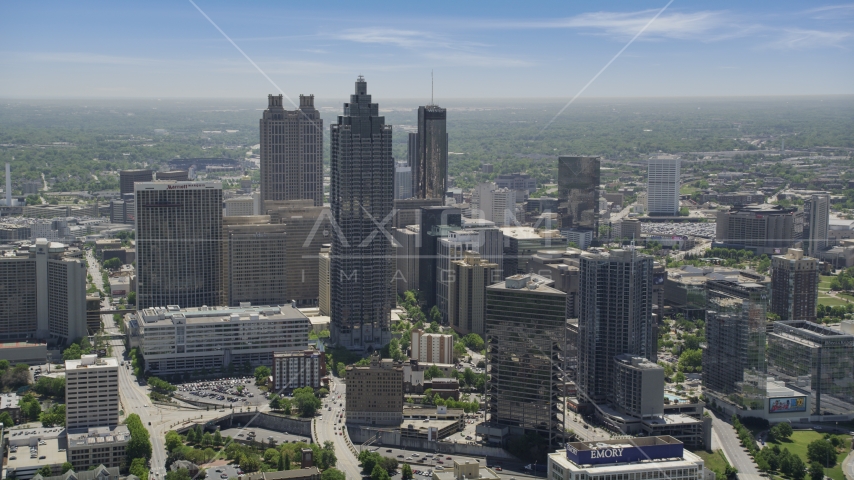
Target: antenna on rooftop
x,y
431,87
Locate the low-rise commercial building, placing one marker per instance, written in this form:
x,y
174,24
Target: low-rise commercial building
x,y
105,446
177,340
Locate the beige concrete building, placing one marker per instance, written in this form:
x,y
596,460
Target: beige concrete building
x,y
375,393
91,392
175,340
307,228
297,369
638,387
467,293
243,206
432,347
254,261
42,294
105,446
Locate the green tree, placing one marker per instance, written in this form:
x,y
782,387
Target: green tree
x,y
823,452
432,372
816,471
180,474
45,471
798,468
6,420
138,468
139,445
66,467
379,473
131,298
250,463
306,401
30,407
112,264
261,374
690,358
217,439
174,440
406,472
332,474
680,377
53,416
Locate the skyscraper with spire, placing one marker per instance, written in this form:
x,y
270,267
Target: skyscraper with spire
x,y
361,197
430,170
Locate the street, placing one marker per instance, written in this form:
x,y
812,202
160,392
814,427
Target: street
x,y
728,441
326,427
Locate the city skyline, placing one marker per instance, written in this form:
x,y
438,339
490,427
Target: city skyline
x,y
172,50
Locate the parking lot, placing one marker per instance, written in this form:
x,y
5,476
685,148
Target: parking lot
x,y
223,472
261,435
223,391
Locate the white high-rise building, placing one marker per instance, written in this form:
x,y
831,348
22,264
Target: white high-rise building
x,y
662,192
497,205
91,392
819,220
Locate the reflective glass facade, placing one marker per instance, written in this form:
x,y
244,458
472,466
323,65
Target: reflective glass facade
x,y
578,194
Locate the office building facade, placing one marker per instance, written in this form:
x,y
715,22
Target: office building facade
x,y
525,336
296,369
324,302
578,192
128,177
174,175
291,151
799,349
614,317
361,196
307,228
173,339
254,261
498,205
765,229
43,295
430,170
638,387
375,393
432,347
819,212
402,181
734,352
467,294
662,190
178,243
794,286
91,392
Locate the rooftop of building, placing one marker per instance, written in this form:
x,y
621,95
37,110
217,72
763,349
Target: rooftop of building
x,y
672,419
100,436
809,333
91,361
763,209
284,474
638,362
99,472
201,315
521,233
36,448
527,282
483,471
8,400
303,352
23,344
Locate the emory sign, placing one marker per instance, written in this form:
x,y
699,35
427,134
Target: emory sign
x,y
607,453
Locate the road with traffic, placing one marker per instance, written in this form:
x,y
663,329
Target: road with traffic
x,y
328,428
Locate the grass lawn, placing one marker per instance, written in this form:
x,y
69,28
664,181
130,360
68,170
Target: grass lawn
x,y
824,283
714,461
830,301
798,446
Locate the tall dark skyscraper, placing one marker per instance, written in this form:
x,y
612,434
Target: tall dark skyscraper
x,y
291,151
361,196
614,318
178,244
578,192
430,172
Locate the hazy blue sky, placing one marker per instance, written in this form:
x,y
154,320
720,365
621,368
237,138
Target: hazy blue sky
x,y
477,49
